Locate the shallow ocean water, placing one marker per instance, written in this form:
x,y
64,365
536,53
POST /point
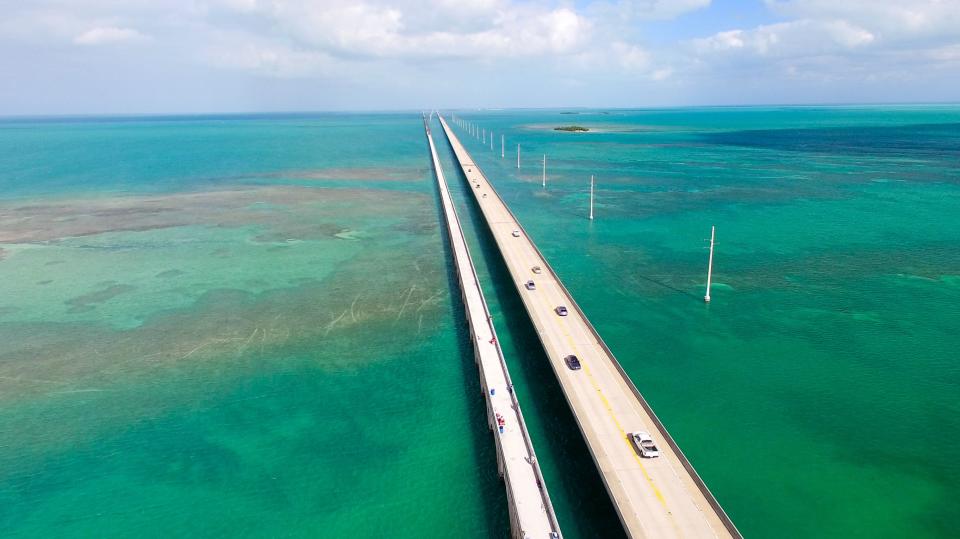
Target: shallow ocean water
x,y
817,393
219,326
203,337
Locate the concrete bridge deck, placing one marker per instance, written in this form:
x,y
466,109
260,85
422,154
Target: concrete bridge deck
x,y
531,513
654,497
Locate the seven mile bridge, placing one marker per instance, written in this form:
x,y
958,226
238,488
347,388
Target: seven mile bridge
x,y
654,497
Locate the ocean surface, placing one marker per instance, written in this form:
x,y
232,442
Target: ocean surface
x,y
247,325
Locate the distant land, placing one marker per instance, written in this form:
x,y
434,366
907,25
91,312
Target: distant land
x,y
572,128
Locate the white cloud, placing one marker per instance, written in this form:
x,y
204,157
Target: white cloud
x,y
850,31
949,54
721,41
795,38
107,34
848,47
599,46
891,19
661,9
631,57
293,35
661,74
370,30
245,52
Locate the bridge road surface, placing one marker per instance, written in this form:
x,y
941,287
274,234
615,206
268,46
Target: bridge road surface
x,y
531,513
655,497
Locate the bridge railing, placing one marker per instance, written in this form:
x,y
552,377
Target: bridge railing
x,y
541,482
698,481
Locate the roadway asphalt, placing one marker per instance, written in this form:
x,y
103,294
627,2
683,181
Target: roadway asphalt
x,y
655,497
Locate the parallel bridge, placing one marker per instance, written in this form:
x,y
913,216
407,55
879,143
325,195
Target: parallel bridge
x,y
531,513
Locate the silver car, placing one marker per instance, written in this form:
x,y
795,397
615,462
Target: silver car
x,y
530,285
643,442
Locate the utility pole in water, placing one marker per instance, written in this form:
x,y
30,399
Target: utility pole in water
x,y
706,297
591,197
503,147
544,171
518,157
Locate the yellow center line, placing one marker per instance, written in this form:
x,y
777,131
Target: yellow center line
x,y
607,406
538,298
473,177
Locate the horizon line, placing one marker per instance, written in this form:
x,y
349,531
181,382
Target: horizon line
x,y
415,110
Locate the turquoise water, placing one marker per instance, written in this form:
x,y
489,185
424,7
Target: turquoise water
x,y
233,327
817,393
220,326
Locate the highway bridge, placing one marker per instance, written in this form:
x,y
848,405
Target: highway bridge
x,y
531,513
654,497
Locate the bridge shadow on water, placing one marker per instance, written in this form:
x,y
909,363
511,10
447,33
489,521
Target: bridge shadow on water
x,y
579,497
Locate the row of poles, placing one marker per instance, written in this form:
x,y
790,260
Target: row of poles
x,y
480,133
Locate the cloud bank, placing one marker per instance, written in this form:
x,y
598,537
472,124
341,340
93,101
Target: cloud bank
x,y
409,53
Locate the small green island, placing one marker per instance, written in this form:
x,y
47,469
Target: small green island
x,y
572,128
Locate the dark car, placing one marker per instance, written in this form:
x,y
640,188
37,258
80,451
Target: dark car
x,y
561,310
572,362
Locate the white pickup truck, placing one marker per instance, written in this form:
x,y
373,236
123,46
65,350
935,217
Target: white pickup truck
x,y
644,443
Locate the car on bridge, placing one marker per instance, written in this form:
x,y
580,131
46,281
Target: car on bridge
x,y
516,233
536,269
561,310
573,362
643,442
530,285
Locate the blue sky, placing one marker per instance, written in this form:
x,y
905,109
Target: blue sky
x,y
144,56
